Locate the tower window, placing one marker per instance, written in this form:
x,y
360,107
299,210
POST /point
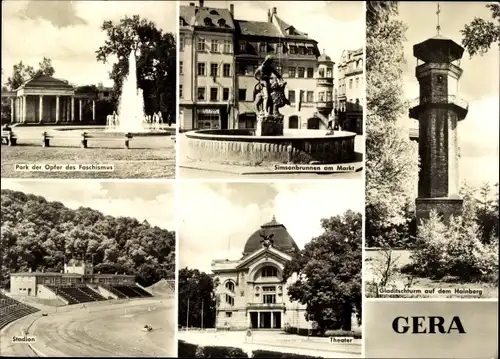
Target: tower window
x,y
440,79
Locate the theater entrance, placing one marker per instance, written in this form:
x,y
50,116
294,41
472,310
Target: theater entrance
x,y
265,320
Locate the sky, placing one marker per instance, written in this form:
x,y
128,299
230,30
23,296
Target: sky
x,y
151,201
337,26
478,133
216,219
69,33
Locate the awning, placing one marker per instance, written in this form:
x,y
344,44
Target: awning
x,y
209,111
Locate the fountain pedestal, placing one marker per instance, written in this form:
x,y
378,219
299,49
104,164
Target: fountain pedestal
x,y
269,125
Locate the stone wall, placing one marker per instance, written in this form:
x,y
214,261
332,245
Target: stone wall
x,y
446,207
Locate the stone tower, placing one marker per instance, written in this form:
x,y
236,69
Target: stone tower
x,y
438,110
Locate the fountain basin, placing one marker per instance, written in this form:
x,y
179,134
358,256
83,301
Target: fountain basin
x,y
242,147
101,130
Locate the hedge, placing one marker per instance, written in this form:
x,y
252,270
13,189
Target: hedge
x,y
270,354
356,334
187,350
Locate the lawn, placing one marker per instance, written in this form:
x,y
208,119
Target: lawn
x,y
148,157
400,280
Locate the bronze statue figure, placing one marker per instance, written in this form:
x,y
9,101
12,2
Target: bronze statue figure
x,y
266,240
269,92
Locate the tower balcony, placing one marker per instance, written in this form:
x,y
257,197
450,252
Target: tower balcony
x,y
454,103
324,81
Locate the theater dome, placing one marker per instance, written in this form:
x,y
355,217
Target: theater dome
x,y
281,239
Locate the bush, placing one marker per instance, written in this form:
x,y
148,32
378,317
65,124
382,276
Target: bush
x,y
270,354
186,350
356,334
219,352
453,251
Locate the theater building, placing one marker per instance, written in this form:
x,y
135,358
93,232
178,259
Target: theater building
x,y
206,67
45,99
251,292
349,94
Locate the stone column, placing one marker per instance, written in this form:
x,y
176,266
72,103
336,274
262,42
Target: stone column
x,y
93,110
80,110
57,109
66,109
258,320
40,109
25,98
72,109
12,109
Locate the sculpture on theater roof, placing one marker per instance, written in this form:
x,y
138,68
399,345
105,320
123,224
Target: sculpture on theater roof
x,y
269,92
267,239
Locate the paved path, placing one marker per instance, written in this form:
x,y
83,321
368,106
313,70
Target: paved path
x,y
273,341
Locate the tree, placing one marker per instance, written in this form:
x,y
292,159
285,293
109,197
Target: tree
x,y
480,34
196,298
328,272
391,158
41,235
156,61
22,73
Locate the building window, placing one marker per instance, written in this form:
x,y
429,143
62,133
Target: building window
x,y
262,46
201,93
181,43
291,72
214,93
201,45
301,72
229,300
229,314
293,50
310,50
180,67
269,298
310,72
243,46
227,47
310,96
201,69
230,286
242,94
227,70
321,96
329,96
293,122
321,73
269,288
350,84
357,82
180,91
240,69
225,94
214,46
269,271
291,96
213,70
329,72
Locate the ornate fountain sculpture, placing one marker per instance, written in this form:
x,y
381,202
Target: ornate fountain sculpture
x,y
269,97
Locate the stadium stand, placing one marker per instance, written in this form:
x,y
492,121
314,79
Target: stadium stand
x,y
11,310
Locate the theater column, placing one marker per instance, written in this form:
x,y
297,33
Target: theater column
x,y
12,110
57,109
72,109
